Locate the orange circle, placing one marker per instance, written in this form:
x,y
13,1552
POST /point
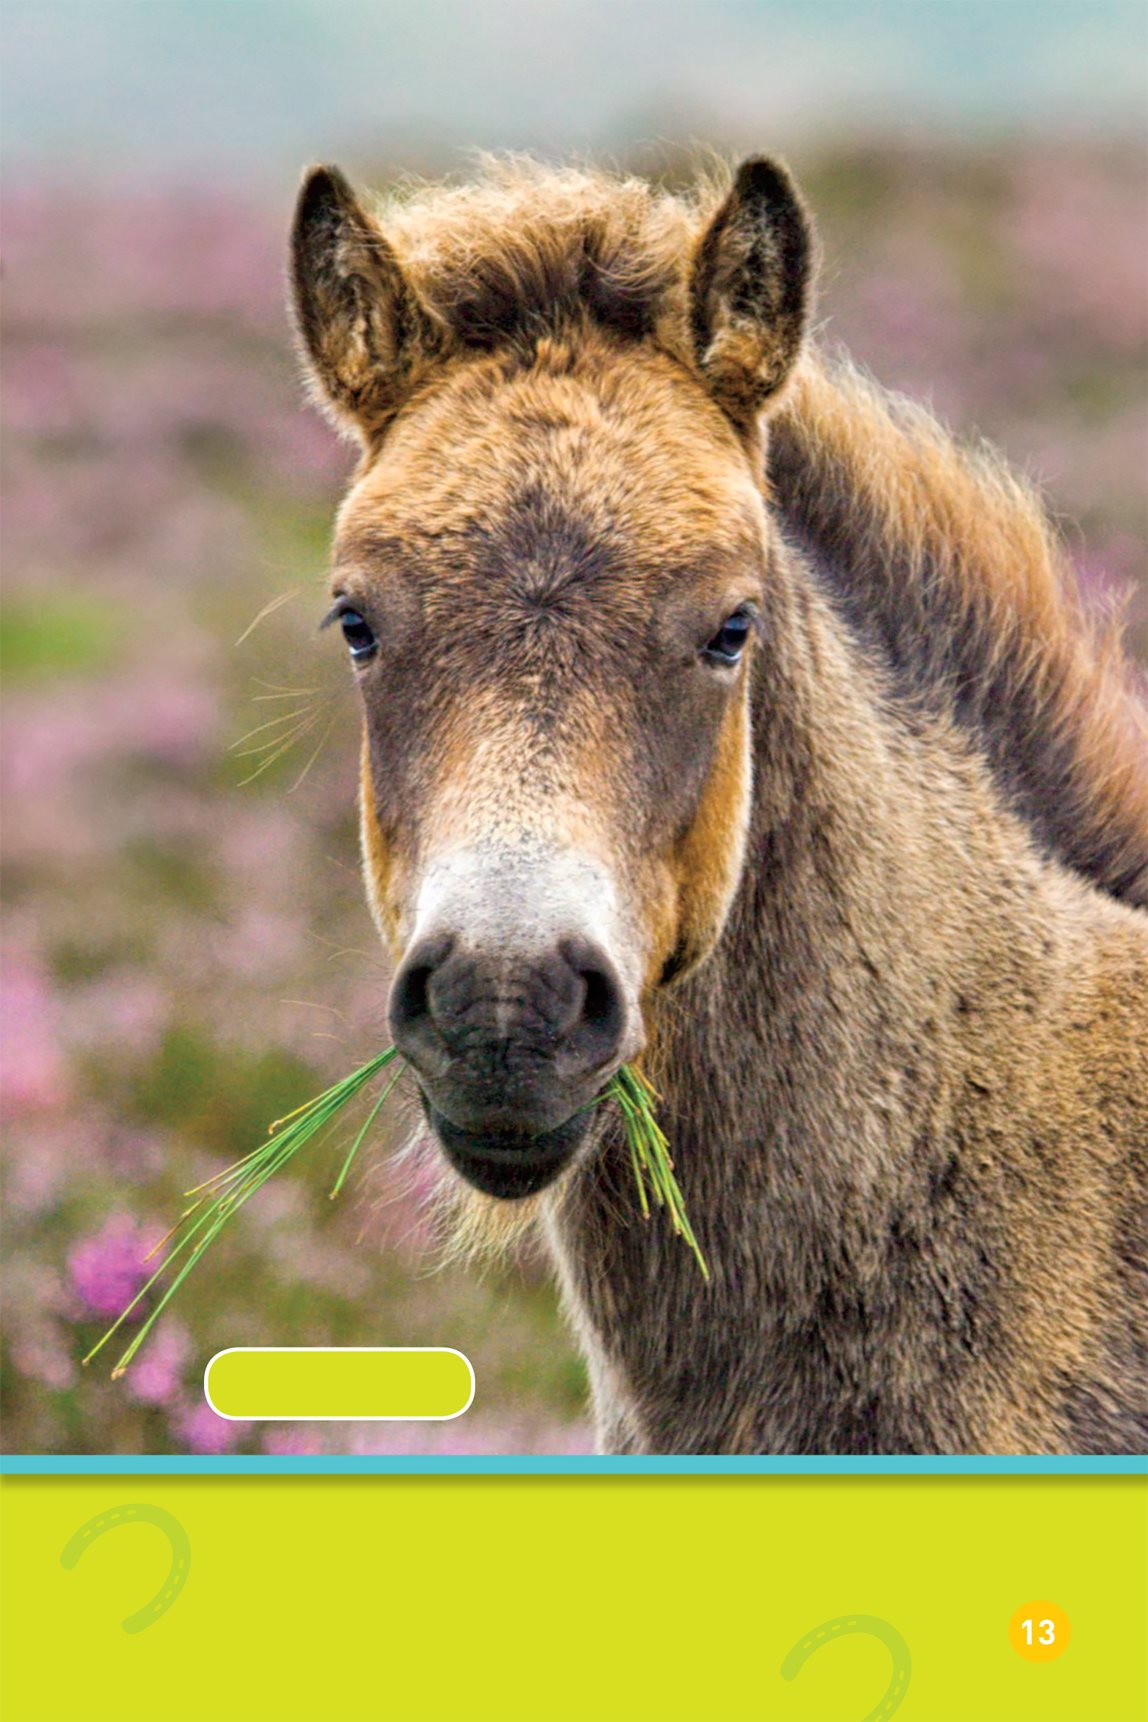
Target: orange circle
x,y
1040,1631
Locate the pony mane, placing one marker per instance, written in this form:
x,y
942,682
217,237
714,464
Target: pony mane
x,y
527,249
936,555
946,562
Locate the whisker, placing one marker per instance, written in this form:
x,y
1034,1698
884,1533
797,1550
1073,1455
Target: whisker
x,y
285,747
285,739
268,609
337,950
336,861
319,745
272,723
277,688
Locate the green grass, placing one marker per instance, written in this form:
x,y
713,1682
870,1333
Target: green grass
x,y
220,1197
41,640
650,1154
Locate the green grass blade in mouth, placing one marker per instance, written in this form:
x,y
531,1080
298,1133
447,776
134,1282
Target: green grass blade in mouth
x,y
384,1096
220,1197
650,1153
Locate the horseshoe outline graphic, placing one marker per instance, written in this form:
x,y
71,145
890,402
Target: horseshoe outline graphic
x,y
139,1513
875,1627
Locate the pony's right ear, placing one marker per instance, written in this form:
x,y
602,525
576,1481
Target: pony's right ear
x,y
364,331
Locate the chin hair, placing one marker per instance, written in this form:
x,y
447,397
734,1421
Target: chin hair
x,y
467,1226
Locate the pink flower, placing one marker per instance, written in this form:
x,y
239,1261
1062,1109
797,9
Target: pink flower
x,y
31,1070
462,1436
42,393
205,1432
108,1269
291,1439
42,1354
155,1375
39,1169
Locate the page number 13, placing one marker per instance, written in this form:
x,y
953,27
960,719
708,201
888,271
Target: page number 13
x,y
1040,1631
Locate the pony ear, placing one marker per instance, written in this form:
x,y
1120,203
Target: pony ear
x,y
365,334
750,289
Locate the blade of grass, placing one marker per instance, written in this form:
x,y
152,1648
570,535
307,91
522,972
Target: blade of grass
x,y
221,1196
650,1152
357,1143
225,1193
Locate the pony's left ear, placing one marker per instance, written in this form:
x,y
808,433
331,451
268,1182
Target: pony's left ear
x,y
750,289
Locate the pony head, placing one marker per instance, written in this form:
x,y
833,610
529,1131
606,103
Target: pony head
x,y
553,572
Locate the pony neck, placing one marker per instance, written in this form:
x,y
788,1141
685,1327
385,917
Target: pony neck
x,y
884,882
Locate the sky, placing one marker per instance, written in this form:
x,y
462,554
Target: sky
x,y
254,87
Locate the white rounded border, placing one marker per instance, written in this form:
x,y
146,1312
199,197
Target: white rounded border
x,y
281,1417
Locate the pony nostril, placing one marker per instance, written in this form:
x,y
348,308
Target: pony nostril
x,y
601,1004
411,1013
598,1030
489,1015
412,994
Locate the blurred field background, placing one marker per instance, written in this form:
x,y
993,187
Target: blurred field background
x,y
186,951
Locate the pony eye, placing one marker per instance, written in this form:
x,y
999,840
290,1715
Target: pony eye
x,y
359,635
729,641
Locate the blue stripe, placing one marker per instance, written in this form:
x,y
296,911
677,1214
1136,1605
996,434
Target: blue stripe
x,y
483,1465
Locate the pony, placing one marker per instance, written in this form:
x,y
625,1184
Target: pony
x,y
721,713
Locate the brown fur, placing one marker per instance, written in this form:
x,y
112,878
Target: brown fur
x,y
903,1055
952,562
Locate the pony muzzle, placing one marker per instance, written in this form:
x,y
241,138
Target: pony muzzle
x,y
513,1022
